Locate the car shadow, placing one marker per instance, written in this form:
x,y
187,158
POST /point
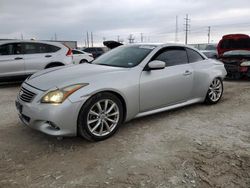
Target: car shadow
x,y
246,79
10,84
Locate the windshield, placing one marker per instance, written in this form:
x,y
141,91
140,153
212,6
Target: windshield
x,y
125,56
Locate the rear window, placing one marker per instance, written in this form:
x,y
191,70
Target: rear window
x,y
34,48
76,52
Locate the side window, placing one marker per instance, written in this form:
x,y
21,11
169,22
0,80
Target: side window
x,y
194,56
30,48
10,49
172,56
99,49
34,48
90,50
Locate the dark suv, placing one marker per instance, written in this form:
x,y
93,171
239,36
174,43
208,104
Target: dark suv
x,y
95,51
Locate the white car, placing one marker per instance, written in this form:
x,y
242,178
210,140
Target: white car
x,y
19,58
80,57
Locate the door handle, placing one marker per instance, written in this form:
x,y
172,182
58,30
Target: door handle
x,y
187,72
48,56
18,58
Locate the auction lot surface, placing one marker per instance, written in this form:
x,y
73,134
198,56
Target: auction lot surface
x,y
195,146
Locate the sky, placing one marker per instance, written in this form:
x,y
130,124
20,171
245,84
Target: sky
x,y
151,20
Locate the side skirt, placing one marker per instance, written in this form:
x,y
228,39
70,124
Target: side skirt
x,y
186,103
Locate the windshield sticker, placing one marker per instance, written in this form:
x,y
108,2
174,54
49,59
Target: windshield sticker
x,y
150,47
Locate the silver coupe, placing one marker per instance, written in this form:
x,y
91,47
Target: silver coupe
x,y
130,81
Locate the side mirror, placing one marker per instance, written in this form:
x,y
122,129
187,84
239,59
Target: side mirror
x,y
156,65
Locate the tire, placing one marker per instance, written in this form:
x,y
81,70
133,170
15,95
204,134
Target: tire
x,y
83,61
214,92
91,115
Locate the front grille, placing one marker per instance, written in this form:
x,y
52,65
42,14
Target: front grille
x,y
26,95
232,67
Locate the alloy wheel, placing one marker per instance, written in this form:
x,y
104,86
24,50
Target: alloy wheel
x,y
215,90
103,117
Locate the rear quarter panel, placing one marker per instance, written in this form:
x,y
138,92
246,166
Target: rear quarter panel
x,y
204,73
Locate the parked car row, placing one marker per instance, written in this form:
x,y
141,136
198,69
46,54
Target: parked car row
x,y
234,51
95,51
210,50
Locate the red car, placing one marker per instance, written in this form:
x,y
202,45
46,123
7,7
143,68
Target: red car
x,y
234,52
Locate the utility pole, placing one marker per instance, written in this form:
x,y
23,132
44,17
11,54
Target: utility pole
x,y
187,25
141,37
55,36
85,43
21,36
118,38
209,34
87,39
131,39
176,29
92,40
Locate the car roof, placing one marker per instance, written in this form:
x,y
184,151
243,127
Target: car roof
x,y
30,41
162,45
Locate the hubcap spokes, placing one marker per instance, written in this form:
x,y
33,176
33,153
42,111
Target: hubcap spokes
x,y
103,117
215,90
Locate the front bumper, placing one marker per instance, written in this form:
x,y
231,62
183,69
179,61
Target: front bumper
x,y
51,119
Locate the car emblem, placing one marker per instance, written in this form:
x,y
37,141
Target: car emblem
x,y
20,93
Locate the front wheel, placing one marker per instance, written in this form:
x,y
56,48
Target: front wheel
x,y
100,117
215,91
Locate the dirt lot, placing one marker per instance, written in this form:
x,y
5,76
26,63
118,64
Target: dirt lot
x,y
197,146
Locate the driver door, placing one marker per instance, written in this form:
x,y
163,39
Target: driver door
x,y
11,60
168,86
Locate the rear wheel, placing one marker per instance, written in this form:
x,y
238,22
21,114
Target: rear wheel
x,y
100,117
215,91
53,65
83,61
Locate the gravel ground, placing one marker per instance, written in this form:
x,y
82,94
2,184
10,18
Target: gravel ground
x,y
196,146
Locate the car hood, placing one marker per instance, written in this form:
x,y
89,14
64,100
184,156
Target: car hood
x,y
63,76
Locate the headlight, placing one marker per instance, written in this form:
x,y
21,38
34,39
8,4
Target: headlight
x,y
246,63
59,95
